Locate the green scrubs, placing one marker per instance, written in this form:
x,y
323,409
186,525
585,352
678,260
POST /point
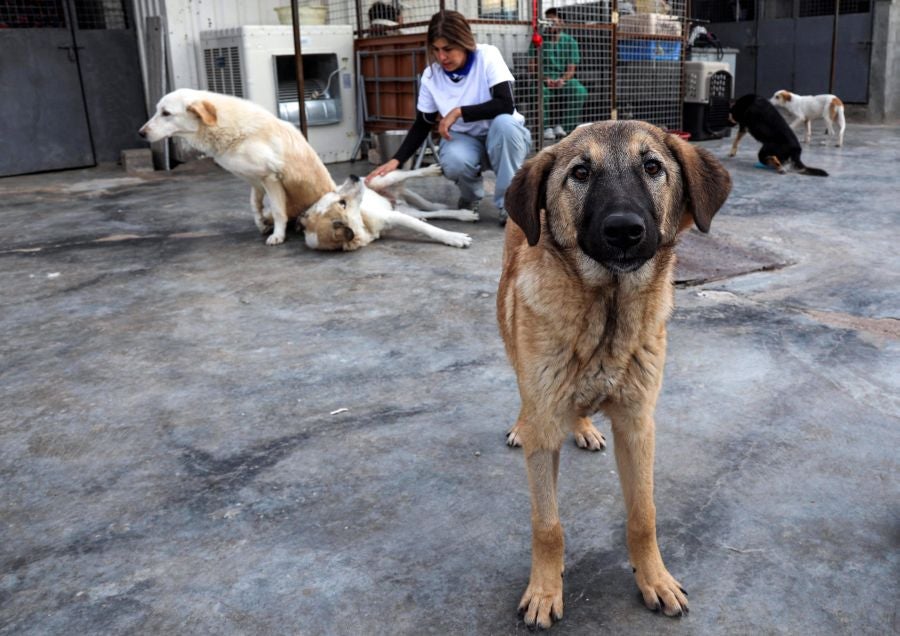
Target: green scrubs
x,y
562,106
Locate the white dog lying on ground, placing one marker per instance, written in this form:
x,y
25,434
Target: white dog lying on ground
x,y
806,108
250,142
355,215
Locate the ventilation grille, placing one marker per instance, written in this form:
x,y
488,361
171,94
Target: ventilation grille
x,y
702,82
223,71
717,115
720,85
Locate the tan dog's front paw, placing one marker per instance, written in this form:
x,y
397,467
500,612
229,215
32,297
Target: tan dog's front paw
x,y
542,604
512,435
275,239
587,436
661,591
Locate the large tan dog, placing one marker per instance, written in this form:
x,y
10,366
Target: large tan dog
x,y
584,296
250,142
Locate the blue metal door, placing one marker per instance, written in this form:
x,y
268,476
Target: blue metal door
x,y
775,53
805,46
71,92
854,50
43,121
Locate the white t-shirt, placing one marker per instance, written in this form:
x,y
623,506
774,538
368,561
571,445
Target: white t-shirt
x,y
438,93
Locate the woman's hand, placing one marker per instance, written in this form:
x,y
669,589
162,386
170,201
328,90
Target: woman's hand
x,y
383,169
447,121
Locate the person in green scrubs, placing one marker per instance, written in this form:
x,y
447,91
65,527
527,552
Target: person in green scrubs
x,y
564,95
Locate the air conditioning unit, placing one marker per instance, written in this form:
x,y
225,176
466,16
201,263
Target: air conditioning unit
x,y
257,63
708,90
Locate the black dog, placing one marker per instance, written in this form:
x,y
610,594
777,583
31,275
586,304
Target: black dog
x,y
779,143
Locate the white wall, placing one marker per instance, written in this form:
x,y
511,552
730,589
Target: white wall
x,y
185,19
509,38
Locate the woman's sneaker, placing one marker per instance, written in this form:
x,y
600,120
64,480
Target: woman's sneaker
x,y
558,131
549,134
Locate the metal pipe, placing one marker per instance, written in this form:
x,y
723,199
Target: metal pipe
x,y
298,63
613,62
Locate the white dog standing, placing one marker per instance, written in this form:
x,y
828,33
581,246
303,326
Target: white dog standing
x,y
806,108
250,142
355,215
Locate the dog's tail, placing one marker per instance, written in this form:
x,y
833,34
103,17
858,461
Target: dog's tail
x,y
802,168
836,111
813,172
837,116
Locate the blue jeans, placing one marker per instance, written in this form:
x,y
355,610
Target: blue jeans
x,y
503,149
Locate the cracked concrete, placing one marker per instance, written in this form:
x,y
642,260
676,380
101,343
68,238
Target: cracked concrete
x,y
203,434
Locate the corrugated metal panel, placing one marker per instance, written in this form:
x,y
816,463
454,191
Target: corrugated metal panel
x,y
509,38
187,18
145,9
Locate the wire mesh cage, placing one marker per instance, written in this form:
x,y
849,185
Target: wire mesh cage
x,y
383,18
41,14
599,60
628,59
50,14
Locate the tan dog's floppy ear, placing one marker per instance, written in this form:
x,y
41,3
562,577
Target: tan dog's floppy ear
x,y
527,194
706,182
206,111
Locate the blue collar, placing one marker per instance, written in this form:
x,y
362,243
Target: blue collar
x,y
461,72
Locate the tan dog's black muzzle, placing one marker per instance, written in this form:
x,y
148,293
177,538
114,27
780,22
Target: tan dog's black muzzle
x,y
619,232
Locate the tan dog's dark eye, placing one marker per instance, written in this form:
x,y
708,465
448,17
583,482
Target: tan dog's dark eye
x,y
580,173
342,203
166,113
652,167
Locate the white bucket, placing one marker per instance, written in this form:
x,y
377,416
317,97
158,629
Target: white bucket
x,y
389,143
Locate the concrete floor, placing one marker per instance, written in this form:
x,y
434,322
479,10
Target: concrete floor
x,y
204,435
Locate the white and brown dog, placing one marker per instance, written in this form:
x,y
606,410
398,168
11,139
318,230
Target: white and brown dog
x,y
806,108
354,215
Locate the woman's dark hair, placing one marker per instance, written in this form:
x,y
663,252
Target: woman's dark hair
x,y
453,27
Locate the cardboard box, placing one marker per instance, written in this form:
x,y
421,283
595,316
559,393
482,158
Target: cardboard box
x,y
651,23
652,6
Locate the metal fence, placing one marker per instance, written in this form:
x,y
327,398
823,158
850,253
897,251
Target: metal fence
x,y
627,58
745,10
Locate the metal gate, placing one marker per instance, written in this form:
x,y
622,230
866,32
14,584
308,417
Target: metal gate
x,y
70,82
806,46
